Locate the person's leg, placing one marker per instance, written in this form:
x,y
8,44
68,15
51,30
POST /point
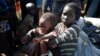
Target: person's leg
x,y
49,3
93,8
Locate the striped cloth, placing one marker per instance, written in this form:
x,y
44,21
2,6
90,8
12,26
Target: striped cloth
x,y
67,41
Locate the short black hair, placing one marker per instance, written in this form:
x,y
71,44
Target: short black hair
x,y
51,17
76,9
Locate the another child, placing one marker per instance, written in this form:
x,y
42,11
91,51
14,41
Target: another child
x,y
47,24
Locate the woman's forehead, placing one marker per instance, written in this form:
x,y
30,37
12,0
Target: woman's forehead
x,y
67,9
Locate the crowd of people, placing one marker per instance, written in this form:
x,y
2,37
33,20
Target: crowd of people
x,y
48,28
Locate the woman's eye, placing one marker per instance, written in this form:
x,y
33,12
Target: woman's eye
x,y
65,13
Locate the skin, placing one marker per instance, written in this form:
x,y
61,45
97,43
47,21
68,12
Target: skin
x,y
45,25
68,15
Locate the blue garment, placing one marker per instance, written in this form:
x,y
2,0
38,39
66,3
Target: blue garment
x,y
90,30
94,4
3,5
47,4
38,2
85,47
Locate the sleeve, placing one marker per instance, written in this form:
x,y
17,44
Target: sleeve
x,y
69,34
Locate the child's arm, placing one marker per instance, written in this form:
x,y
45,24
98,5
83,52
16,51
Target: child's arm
x,y
27,37
69,34
46,37
50,35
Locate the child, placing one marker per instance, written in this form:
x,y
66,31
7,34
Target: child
x,y
28,22
71,40
47,23
67,30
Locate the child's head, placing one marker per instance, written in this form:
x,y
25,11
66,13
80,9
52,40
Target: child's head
x,y
31,8
70,14
47,22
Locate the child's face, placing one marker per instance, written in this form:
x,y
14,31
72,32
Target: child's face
x,y
68,15
45,25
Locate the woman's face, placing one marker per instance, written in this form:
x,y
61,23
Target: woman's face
x,y
68,15
45,25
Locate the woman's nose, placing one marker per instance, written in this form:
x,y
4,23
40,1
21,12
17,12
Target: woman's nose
x,y
65,17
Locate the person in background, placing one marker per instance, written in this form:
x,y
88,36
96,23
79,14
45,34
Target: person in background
x,y
24,10
27,24
93,8
6,29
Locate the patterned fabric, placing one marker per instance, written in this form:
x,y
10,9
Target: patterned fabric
x,y
67,41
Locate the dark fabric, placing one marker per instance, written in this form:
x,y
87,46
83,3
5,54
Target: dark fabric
x,y
90,30
31,49
6,40
24,10
26,25
46,4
